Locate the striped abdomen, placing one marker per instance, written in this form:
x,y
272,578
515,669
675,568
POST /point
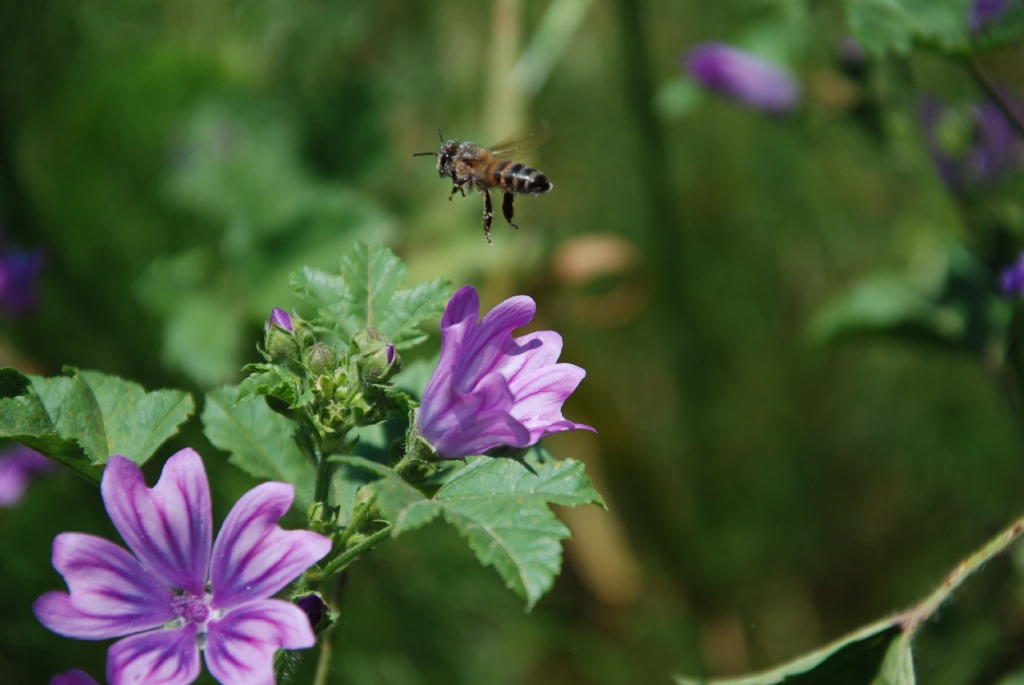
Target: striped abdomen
x,y
517,178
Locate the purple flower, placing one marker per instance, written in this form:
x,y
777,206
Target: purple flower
x,y
1012,278
171,596
18,272
73,677
491,390
968,146
744,77
18,466
280,317
986,12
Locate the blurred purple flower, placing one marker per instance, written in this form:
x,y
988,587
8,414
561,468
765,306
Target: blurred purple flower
x,y
986,12
281,318
491,390
18,272
968,146
18,466
744,77
73,677
1012,278
159,596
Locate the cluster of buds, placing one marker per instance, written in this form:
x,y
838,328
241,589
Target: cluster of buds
x,y
336,390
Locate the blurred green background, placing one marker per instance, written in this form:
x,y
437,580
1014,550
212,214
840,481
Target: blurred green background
x,y
176,159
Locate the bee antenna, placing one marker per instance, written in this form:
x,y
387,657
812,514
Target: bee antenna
x,y
424,154
440,136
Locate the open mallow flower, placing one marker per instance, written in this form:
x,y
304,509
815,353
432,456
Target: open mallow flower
x,y
744,77
73,677
491,391
18,466
176,594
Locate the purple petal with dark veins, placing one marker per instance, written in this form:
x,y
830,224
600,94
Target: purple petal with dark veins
x,y
539,398
166,656
168,527
253,557
240,646
72,677
489,389
112,594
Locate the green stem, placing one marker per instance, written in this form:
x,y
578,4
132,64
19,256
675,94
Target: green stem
x,y
913,618
324,472
402,465
323,665
341,562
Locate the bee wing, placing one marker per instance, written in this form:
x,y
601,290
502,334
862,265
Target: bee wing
x,y
523,140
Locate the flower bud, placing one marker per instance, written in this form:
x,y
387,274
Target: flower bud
x,y
744,77
316,610
280,317
280,343
378,361
321,359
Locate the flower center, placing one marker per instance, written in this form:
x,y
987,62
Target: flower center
x,y
191,609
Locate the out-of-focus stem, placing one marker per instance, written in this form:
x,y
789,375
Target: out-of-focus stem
x,y
997,95
505,108
323,665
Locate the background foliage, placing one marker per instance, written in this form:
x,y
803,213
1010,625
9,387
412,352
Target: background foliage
x,y
176,159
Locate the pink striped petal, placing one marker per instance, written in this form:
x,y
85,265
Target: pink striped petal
x,y
240,646
539,399
166,656
532,352
73,677
168,527
112,594
253,557
491,341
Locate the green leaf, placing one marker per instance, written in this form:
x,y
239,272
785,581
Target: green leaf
x,y
898,665
501,509
855,659
261,442
882,26
366,293
82,419
137,422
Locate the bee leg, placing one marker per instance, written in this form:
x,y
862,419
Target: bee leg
x,y
488,214
458,188
507,210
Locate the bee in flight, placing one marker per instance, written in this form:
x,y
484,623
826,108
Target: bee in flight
x,y
470,165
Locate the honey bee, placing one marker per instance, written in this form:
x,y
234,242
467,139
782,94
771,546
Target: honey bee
x,y
469,166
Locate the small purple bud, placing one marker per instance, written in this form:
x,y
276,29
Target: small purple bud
x,y
1012,278
18,272
850,53
984,13
315,608
744,77
391,354
280,317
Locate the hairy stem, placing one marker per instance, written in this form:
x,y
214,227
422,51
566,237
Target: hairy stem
x,y
912,619
341,562
324,472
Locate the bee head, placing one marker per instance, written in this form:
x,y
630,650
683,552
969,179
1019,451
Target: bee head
x,y
446,157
